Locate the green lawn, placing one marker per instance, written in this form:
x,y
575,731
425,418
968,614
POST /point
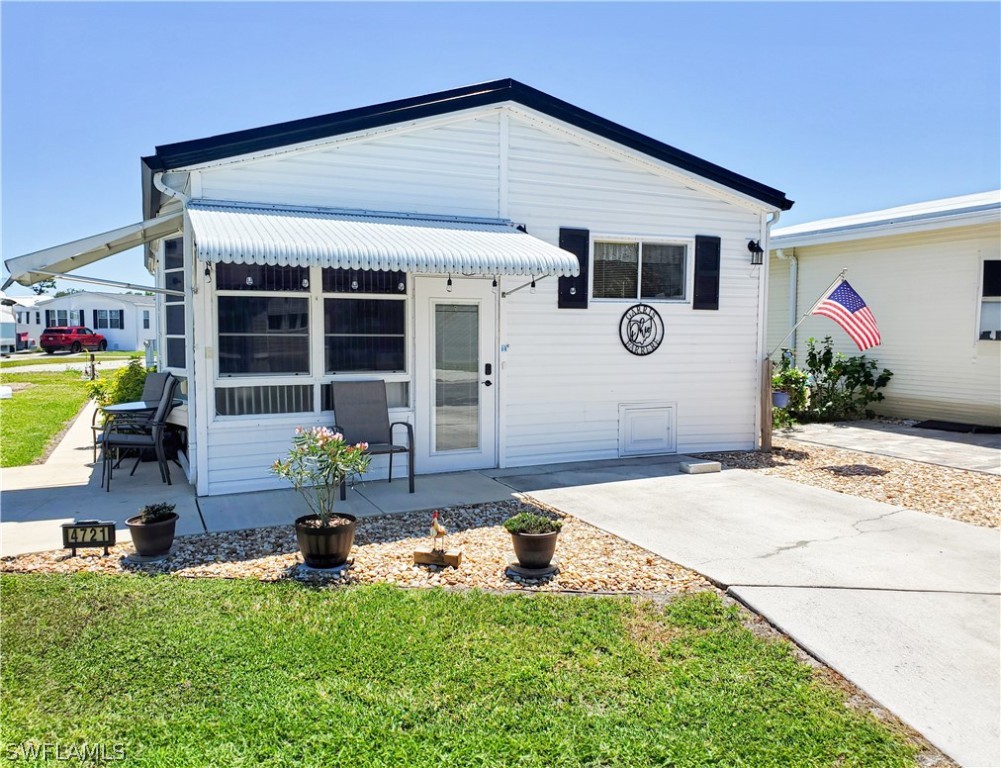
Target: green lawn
x,y
232,673
20,362
34,415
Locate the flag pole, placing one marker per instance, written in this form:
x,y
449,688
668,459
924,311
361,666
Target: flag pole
x,y
824,295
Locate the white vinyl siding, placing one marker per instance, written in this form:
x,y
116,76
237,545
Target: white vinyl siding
x,y
924,290
451,168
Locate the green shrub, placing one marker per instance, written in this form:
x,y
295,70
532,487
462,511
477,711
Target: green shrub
x,y
528,522
125,385
840,387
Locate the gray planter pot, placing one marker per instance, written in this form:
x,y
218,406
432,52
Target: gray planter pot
x,y
534,550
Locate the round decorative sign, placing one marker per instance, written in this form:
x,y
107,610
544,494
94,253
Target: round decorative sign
x,y
641,329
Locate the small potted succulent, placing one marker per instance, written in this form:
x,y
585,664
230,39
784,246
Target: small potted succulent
x,y
534,538
319,461
153,529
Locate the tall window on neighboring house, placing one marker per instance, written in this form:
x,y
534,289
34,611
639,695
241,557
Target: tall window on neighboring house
x,y
990,301
639,270
174,323
146,319
38,318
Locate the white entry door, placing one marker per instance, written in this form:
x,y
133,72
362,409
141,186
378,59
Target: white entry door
x,y
456,372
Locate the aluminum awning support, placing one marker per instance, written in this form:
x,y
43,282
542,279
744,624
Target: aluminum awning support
x,y
60,259
255,234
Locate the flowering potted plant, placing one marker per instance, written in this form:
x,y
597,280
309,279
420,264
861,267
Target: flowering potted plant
x,y
318,462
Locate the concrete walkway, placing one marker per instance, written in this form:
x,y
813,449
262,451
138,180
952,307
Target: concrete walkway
x,y
904,604
972,451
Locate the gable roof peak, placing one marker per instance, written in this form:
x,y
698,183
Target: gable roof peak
x,y
188,153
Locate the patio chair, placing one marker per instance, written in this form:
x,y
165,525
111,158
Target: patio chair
x,y
138,432
361,414
152,392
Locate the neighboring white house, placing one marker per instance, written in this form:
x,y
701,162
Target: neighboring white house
x,y
534,283
931,274
8,333
126,320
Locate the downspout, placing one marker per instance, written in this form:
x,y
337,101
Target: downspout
x,y
764,409
793,293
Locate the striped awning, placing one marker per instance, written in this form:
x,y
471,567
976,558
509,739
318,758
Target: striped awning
x,y
253,234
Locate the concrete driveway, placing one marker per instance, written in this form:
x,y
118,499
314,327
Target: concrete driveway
x,y
904,604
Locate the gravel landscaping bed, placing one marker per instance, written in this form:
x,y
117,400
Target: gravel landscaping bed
x,y
589,559
972,497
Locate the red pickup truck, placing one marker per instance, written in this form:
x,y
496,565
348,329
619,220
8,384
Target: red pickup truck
x,y
73,338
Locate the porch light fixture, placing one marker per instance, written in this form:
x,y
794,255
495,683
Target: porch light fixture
x,y
532,289
448,284
757,252
208,274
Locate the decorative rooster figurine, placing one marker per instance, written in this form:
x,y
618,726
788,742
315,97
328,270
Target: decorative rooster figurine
x,y
437,534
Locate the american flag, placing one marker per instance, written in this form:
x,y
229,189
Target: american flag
x,y
846,308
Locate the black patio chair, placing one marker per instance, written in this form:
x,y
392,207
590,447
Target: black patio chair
x,y
138,432
152,392
361,414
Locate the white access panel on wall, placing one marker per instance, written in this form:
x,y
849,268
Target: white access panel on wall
x,y
647,428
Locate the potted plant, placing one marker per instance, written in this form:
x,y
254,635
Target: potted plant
x,y
317,464
153,529
534,538
789,387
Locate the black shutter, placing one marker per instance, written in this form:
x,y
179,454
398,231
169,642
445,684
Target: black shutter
x,y
573,290
48,318
94,326
707,251
121,319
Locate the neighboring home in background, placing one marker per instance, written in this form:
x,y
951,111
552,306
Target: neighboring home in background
x,y
931,274
126,320
533,282
8,331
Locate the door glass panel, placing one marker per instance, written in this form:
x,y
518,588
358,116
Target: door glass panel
x,y
456,377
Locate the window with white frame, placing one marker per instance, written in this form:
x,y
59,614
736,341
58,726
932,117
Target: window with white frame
x,y
364,321
109,318
263,320
990,301
639,270
173,306
145,319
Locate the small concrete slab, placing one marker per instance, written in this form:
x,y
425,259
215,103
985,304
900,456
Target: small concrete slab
x,y
575,475
700,467
931,658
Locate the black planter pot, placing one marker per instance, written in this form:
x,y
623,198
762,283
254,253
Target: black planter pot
x,y
534,550
152,539
325,547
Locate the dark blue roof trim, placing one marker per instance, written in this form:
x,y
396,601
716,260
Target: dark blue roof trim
x,y
187,153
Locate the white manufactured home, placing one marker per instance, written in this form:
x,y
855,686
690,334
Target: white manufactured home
x,y
127,321
533,282
931,273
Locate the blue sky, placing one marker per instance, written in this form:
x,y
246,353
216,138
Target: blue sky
x,y
845,107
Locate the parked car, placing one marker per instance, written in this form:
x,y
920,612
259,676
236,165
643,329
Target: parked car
x,y
73,338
